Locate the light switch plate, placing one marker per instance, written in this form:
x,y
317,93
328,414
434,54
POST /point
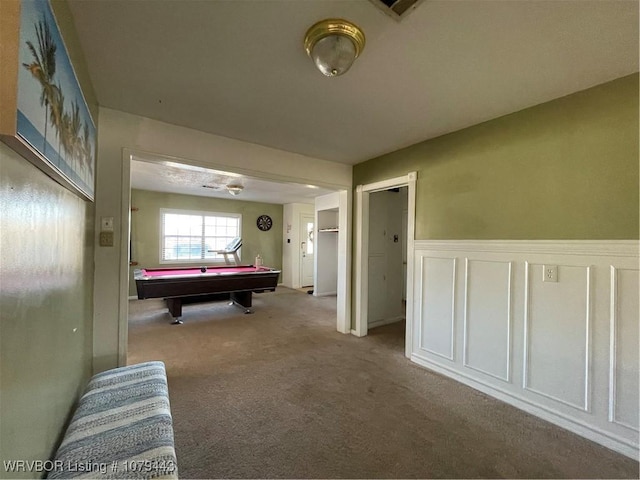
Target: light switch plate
x,y
106,224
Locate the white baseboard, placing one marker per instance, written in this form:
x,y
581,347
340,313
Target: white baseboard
x,y
554,348
384,321
587,431
325,294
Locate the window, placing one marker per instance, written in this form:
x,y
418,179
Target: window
x,y
309,243
189,236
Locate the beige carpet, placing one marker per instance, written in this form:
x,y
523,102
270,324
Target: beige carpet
x,y
281,394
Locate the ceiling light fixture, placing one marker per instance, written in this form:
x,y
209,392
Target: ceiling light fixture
x,y
333,45
234,189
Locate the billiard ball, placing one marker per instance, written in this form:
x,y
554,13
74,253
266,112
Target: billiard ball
x,y
203,269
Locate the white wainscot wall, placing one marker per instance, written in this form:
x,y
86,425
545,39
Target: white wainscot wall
x,y
566,351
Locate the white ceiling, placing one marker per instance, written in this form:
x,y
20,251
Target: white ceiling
x,y
238,68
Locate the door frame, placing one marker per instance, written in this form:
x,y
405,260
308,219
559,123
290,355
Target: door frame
x,y
125,236
361,270
107,310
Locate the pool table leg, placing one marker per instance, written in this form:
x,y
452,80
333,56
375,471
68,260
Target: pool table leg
x,y
175,309
243,299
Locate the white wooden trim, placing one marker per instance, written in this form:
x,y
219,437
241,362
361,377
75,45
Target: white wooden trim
x,y
125,226
588,336
454,309
465,313
385,321
527,319
345,208
510,324
606,248
613,341
613,350
386,184
411,180
590,409
590,432
362,263
325,294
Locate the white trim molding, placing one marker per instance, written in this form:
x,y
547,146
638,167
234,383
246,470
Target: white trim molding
x,y
607,248
614,349
571,344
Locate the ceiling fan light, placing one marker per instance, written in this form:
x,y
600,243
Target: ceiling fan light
x,y
333,45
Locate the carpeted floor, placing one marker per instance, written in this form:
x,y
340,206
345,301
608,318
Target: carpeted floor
x,y
281,394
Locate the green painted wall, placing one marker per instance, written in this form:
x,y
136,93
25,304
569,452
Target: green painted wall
x,y
46,295
566,169
145,225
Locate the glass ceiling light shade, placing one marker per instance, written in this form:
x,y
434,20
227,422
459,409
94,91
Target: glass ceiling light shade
x,y
234,189
333,45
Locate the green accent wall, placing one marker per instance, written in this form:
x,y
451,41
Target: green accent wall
x,y
566,169
46,309
145,227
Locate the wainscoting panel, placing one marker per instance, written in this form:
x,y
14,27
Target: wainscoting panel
x,y
625,341
437,307
557,335
487,318
566,350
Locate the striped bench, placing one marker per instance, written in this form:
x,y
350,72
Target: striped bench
x,y
122,427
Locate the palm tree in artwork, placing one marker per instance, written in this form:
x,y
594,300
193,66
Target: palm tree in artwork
x,y
43,68
74,133
55,114
86,152
65,128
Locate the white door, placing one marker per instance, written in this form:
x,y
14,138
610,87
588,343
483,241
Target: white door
x,y
306,250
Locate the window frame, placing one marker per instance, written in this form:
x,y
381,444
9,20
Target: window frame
x,y
202,213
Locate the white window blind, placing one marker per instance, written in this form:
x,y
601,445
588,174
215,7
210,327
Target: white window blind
x,y
187,236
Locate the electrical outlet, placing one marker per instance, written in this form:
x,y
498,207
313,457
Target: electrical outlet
x,y
106,239
550,273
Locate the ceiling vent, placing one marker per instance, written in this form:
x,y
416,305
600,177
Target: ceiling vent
x,y
397,9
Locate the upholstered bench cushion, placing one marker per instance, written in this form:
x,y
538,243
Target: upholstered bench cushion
x,y
122,427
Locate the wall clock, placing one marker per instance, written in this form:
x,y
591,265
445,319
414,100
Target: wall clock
x,y
264,222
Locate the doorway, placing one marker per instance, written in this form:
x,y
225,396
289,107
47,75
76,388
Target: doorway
x,y
361,291
307,249
387,275
116,331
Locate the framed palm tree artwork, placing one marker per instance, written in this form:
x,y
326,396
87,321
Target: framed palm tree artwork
x,y
51,125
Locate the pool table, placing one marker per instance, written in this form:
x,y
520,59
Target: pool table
x,y
188,285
